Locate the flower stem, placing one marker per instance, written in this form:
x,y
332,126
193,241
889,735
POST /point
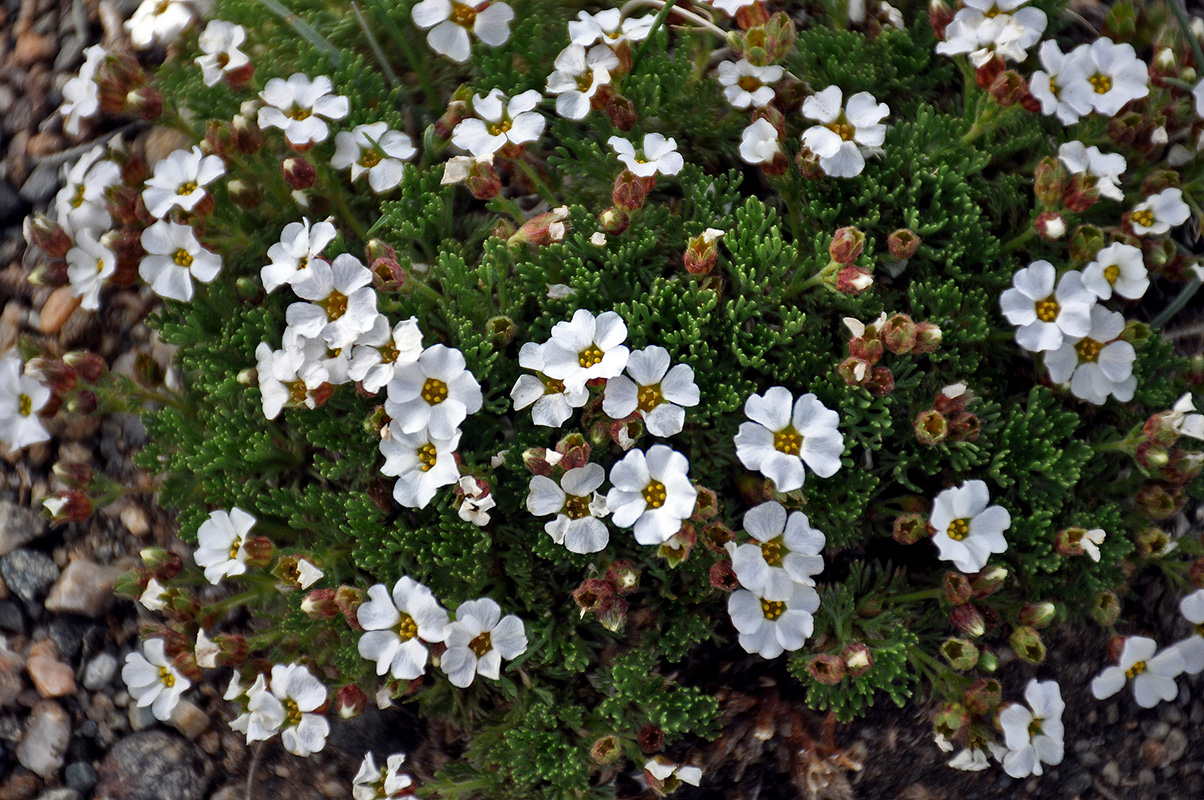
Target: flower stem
x,y
923,594
1189,290
656,23
1181,15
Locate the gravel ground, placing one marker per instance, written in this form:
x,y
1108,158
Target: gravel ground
x,y
68,730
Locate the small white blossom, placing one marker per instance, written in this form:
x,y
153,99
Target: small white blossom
x,y
578,77
968,529
769,627
89,265
1105,168
421,465
1061,87
585,348
373,150
1192,648
783,434
308,573
21,397
1158,213
289,708
746,85
552,403
290,257
1033,735
286,378
205,651
1098,364
381,783
577,505
81,203
153,680
609,27
784,551
1111,76
179,181
153,597
378,352
476,503
174,258
1091,541
342,302
159,22
335,361
450,22
845,134
81,93
499,123
1153,675
1117,268
658,156
653,390
984,29
1045,318
396,626
220,541
670,775
219,43
434,393
1183,419
1198,95
652,493
759,142
300,107
478,641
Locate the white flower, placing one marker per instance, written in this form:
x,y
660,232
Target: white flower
x,y
783,434
307,573
375,150
1033,735
1158,213
671,775
396,627
342,302
577,505
1105,168
730,7
21,397
205,651
450,22
435,393
299,107
654,390
1061,87
971,759
1091,541
219,42
846,134
81,94
658,155
81,203
1153,676
1098,364
299,244
785,551
335,361
153,681
967,529
759,142
651,493
180,180
553,403
379,351
286,378
174,258
1045,317
578,77
381,783
89,264
475,504
1184,421
1192,648
608,27
500,123
220,541
1113,75
153,597
478,641
288,708
988,28
585,348
746,85
158,22
1117,268
1196,93
420,464
768,627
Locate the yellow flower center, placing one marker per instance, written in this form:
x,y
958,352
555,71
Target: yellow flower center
x,y
553,386
959,529
303,263
1135,670
1199,629
590,356
496,128
166,677
186,188
654,494
649,397
292,714
585,81
463,15
78,200
481,645
369,159
1047,309
1101,83
748,83
406,628
1144,218
1034,727
222,59
234,548
788,441
100,265
162,7
842,129
772,609
1088,350
298,113
335,305
575,506
182,258
297,391
427,457
773,551
25,405
388,353
434,391
1111,273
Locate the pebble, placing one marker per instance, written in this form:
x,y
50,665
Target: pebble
x,y
1158,730
51,677
38,188
60,794
1176,745
151,765
12,666
32,48
80,776
67,631
1145,777
21,785
141,717
58,307
29,574
189,719
1111,714
45,741
135,520
12,619
99,671
85,587
18,526
1110,774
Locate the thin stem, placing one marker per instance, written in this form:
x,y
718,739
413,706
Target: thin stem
x,y
304,30
923,594
1181,15
386,69
1186,294
1020,240
544,190
417,64
656,23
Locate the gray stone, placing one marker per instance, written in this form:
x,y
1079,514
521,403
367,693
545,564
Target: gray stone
x,y
1110,774
67,631
18,525
1176,745
12,619
1158,730
45,742
60,794
29,574
1077,784
85,587
141,718
12,206
80,776
41,184
99,671
152,765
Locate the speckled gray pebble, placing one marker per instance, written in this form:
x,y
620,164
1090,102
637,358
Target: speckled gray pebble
x,y
99,671
80,776
29,574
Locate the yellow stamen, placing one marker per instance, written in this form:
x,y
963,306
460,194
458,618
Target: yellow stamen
x,y
186,188
25,405
590,356
1144,218
649,397
1135,670
772,609
434,391
654,494
463,15
773,552
959,529
166,677
182,258
335,305
427,457
1088,350
576,506
406,628
788,441
1047,309
481,645
1101,83
1111,273
369,159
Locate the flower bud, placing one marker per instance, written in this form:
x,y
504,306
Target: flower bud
x,y
1027,645
867,347
1008,88
903,243
853,280
613,221
258,550
847,245
928,338
677,547
350,701
989,581
629,191
910,528
953,398
1038,615
988,72
606,750
593,595
247,136
702,252
723,577
614,616
858,659
543,229
131,584
715,536
231,649
899,334
957,588
349,599
1050,225
1105,608
1196,575
965,427
52,273
56,374
826,669
621,112
855,371
1085,242
540,461
940,14
1155,502
1049,181
1082,192
40,231
983,696
969,620
298,173
320,604
881,382
988,661
961,654
1182,466
1151,456
931,427
456,111
73,473
163,564
145,102
69,506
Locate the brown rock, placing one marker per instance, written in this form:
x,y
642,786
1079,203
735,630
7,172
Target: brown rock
x,y
58,307
44,143
51,677
21,785
85,587
12,665
189,720
134,518
32,48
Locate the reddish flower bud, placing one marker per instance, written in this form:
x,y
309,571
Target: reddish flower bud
x,y
69,506
231,649
1050,225
847,245
1008,88
715,535
543,229
855,371
928,338
1155,502
457,110
868,347
650,738
621,112
853,280
957,588
350,701
1038,615
41,232
899,334
931,427
1182,466
52,273
753,15
969,620
145,102
349,599
1027,645
961,654
1049,181
989,581
73,473
298,173
614,616
706,505
320,604
827,669
623,576
903,243
1151,456
593,595
988,72
54,373
881,382
247,136
910,528
965,427
983,696
858,659
258,551
606,750
677,548
1196,576
702,252
89,365
629,191
940,14
952,399
723,577
613,221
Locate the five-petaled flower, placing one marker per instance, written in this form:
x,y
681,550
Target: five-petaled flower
x,y
1033,735
479,639
845,134
300,107
451,21
1153,675
783,435
968,529
220,541
396,627
153,680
